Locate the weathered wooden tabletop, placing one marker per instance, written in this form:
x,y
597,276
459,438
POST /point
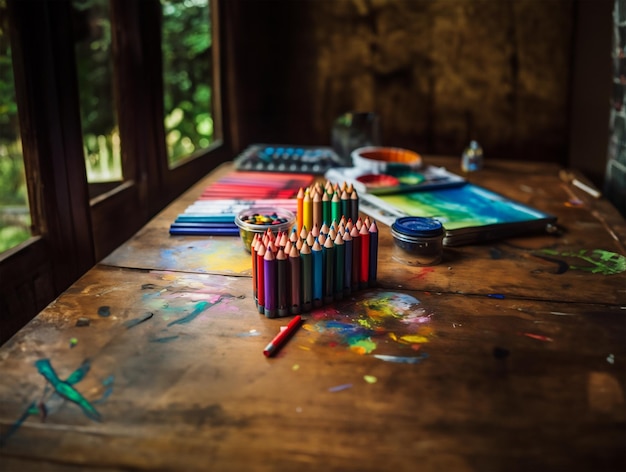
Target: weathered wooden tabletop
x,y
511,360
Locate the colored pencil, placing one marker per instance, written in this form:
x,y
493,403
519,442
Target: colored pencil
x,y
317,210
260,254
199,218
294,273
364,272
187,231
354,204
345,204
300,209
306,292
282,283
356,258
371,281
335,207
269,278
326,212
347,281
255,288
340,261
328,252
307,210
318,274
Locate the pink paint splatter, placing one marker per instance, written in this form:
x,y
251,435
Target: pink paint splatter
x,y
538,337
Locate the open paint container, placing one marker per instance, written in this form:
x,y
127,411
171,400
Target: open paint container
x,y
377,159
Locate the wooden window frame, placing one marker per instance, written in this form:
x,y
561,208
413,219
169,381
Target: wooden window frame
x,y
73,231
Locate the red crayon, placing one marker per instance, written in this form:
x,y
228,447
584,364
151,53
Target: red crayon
x,y
282,337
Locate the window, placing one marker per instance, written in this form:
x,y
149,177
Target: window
x,y
14,211
91,21
187,77
100,85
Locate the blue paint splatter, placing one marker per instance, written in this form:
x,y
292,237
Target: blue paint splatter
x,y
499,296
135,321
339,388
200,307
165,339
108,383
402,359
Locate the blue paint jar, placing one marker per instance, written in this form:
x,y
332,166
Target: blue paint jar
x,y
418,241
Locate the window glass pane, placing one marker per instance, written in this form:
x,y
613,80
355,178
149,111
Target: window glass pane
x,y
187,77
101,140
15,221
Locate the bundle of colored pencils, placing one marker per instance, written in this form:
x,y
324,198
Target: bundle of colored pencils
x,y
319,204
294,273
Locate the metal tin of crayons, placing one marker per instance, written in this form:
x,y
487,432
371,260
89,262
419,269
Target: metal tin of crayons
x,y
418,241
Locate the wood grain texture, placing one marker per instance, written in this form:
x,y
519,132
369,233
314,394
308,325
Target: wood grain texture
x,y
532,381
438,72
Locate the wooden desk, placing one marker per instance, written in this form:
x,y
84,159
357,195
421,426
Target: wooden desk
x,y
518,360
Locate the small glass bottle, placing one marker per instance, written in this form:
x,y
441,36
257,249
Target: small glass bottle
x,y
472,159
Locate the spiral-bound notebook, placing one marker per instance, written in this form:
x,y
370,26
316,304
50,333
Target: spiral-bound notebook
x,y
469,213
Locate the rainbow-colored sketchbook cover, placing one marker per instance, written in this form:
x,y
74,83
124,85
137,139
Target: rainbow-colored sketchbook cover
x,y
469,213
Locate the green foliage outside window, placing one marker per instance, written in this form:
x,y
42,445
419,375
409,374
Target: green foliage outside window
x,y
188,101
94,69
187,77
14,212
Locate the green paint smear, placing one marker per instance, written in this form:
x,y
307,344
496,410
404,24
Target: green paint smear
x,y
45,368
601,261
367,344
65,389
366,323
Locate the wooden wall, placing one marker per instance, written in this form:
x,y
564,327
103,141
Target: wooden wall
x,y
439,72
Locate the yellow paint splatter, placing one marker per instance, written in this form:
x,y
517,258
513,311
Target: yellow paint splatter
x,y
295,367
370,379
413,339
304,348
227,258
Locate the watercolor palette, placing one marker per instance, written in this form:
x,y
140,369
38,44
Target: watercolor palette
x,y
395,178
